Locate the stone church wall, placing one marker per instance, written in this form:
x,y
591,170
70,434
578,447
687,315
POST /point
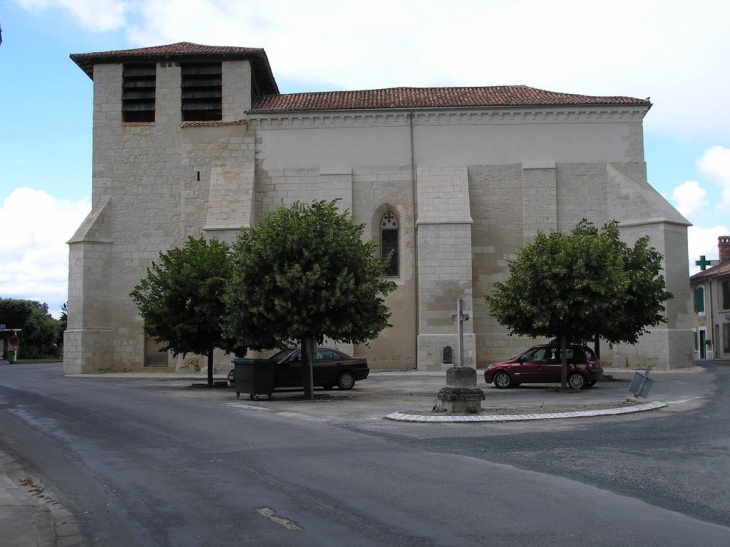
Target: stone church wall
x,y
138,168
468,188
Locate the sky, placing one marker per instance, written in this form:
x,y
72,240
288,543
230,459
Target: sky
x,y
675,52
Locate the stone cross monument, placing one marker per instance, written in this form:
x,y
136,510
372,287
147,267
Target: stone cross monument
x,y
461,394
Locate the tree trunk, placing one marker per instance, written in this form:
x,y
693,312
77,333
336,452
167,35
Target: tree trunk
x,y
210,367
564,361
309,350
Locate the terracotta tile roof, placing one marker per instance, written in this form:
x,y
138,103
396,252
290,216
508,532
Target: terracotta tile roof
x,y
269,99
432,97
718,270
183,51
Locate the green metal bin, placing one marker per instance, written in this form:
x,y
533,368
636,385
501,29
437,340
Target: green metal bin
x,y
254,378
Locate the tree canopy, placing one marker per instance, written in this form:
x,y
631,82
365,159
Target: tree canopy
x,y
582,285
181,301
40,331
305,274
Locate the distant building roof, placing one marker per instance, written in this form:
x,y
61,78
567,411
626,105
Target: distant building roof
x,y
185,51
433,97
721,269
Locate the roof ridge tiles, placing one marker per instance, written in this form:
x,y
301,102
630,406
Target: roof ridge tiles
x,y
182,51
369,99
424,97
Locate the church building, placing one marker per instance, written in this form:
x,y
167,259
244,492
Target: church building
x,y
191,139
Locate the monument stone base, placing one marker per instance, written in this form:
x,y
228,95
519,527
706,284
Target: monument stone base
x,y
461,394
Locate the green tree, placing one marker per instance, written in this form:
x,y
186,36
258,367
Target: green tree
x,y
62,323
580,286
304,274
181,302
39,329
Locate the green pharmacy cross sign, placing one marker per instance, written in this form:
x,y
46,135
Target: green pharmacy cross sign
x,y
703,263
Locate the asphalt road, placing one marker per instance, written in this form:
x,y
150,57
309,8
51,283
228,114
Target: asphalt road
x,y
151,463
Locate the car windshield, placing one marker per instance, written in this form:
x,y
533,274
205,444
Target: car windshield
x,y
279,355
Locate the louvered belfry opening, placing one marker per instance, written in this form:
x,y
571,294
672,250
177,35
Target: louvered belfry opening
x,y
138,93
202,92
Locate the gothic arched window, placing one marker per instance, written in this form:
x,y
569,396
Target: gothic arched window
x,y
389,242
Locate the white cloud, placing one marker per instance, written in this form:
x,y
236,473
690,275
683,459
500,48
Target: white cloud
x,y
703,242
692,201
34,254
715,166
689,199
96,15
671,50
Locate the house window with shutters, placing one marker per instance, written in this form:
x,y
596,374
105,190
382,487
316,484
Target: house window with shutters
x,y
138,93
389,243
700,300
202,91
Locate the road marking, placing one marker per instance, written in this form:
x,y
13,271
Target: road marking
x,y
302,416
682,401
249,407
281,521
284,413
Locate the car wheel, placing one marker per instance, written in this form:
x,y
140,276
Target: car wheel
x,y
502,380
346,380
577,381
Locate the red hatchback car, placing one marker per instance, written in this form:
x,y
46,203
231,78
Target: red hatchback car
x,y
542,364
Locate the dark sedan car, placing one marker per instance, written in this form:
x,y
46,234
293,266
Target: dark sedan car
x,y
542,364
331,368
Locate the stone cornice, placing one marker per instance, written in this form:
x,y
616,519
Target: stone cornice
x,y
492,116
653,220
429,221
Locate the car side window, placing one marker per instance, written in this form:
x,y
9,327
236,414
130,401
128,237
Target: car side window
x,y
537,354
296,357
325,355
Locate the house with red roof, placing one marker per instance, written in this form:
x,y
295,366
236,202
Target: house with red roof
x,y
710,289
191,139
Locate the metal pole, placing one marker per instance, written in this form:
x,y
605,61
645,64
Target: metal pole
x,y
460,331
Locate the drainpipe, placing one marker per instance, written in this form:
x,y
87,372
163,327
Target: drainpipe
x,y
415,237
713,285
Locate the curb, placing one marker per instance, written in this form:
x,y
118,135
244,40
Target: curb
x,y
40,520
402,417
